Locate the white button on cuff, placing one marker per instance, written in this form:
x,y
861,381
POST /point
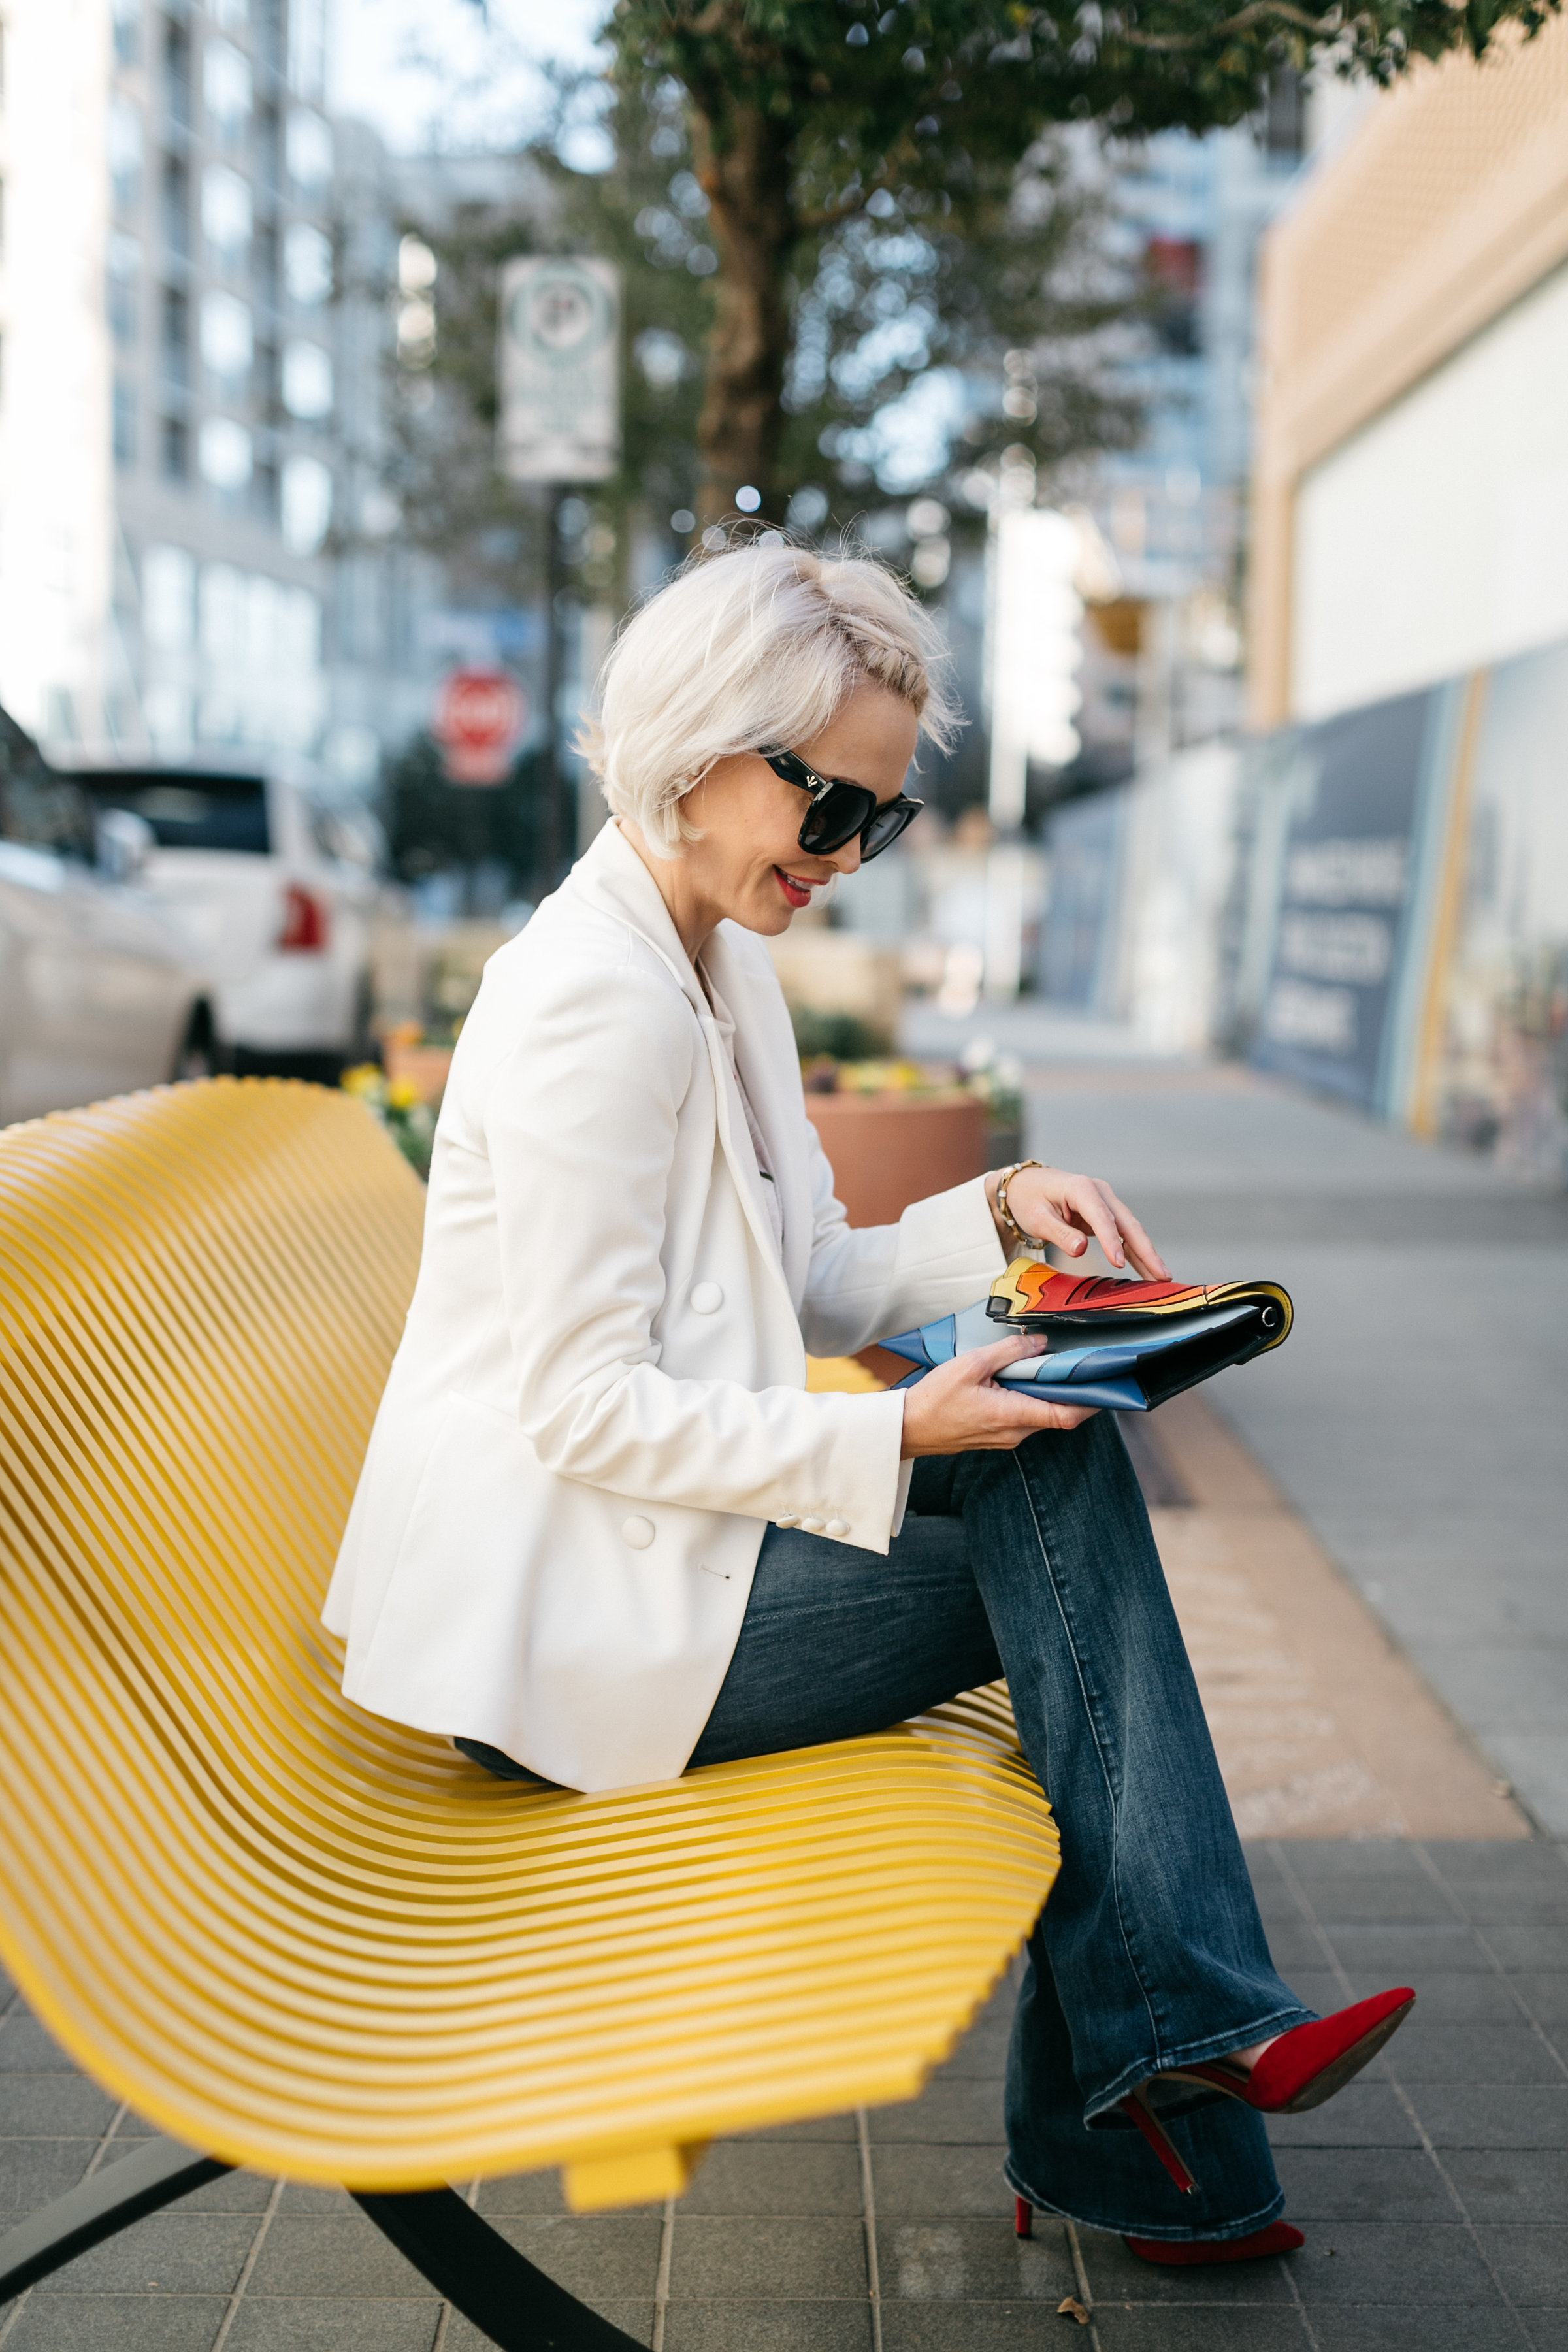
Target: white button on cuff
x,y
836,1528
638,1532
790,1519
706,1299
812,1527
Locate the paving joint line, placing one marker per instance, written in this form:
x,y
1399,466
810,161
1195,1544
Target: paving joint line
x,y
1325,1945
247,2268
1080,2272
94,2160
1464,1913
868,2222
661,2278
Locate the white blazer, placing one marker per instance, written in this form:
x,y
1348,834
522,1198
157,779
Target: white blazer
x,y
599,1399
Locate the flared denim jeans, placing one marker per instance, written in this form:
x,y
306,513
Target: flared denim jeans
x,y
1040,1565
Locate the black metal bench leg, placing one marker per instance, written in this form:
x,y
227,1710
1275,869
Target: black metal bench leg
x,y
518,2306
116,2195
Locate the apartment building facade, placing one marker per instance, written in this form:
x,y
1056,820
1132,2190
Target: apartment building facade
x,y
197,545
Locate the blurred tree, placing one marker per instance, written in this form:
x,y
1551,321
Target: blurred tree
x,y
433,825
893,292
806,115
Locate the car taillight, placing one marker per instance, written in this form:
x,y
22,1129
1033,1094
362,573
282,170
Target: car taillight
x,y
304,921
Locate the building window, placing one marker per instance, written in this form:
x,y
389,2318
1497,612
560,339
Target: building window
x,y
227,215
264,381
306,504
225,454
176,338
1282,129
177,207
228,345
269,149
177,72
174,450
226,89
124,414
124,275
127,31
310,151
264,264
266,490
168,598
125,153
307,381
308,45
306,265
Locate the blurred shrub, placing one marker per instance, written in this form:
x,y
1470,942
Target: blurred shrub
x,y
841,1037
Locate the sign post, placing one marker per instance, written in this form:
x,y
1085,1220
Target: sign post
x,y
559,384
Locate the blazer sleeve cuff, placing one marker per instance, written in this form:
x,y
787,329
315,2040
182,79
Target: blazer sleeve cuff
x,y
857,1486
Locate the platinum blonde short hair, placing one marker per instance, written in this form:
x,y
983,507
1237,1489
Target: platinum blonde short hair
x,y
747,650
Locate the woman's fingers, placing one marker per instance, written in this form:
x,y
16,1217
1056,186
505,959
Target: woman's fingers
x,y
1066,1211
1145,1257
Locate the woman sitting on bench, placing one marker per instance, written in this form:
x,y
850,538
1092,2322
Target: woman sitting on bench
x,y
602,1532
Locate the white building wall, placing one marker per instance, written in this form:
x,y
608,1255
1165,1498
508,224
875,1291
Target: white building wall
x,y
56,496
1437,540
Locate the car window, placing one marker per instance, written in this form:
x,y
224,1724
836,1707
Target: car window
x,y
348,831
188,811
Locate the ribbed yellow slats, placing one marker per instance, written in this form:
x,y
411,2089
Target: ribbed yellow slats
x,y
298,1936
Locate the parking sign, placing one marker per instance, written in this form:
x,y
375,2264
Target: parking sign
x,y
559,366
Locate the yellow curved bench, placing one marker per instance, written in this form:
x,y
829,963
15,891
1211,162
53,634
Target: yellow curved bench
x,y
298,1938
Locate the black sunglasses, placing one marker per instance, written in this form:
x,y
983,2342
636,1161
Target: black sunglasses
x,y
839,809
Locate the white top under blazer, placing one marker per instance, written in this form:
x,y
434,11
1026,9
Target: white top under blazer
x,y
599,1400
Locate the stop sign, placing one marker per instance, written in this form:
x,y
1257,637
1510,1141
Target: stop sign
x,y
479,719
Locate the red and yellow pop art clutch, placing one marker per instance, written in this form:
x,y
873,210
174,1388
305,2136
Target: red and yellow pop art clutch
x,y
1129,1345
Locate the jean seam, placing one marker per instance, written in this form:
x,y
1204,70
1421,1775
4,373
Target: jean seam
x,y
1062,1613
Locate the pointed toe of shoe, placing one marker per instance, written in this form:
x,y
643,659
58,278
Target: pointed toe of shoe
x,y
1307,2066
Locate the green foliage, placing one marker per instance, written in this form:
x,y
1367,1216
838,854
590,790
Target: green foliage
x,y
915,91
842,1037
433,825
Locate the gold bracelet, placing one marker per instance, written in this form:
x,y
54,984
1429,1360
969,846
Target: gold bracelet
x,y
1006,1213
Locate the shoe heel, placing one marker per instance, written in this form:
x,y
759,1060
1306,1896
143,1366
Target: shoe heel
x,y
1023,2218
1135,2107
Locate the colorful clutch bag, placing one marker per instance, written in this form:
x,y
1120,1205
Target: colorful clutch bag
x,y
1129,1345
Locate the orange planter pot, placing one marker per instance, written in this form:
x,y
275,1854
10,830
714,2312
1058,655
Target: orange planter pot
x,y
889,1149
426,1067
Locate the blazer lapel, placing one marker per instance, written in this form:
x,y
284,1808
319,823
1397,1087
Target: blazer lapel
x,y
612,876
766,1050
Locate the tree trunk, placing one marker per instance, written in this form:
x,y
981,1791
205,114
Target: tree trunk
x,y
743,169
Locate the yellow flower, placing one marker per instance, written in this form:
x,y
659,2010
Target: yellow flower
x,y
365,1080
402,1095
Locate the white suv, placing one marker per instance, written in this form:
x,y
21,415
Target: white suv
x,y
272,882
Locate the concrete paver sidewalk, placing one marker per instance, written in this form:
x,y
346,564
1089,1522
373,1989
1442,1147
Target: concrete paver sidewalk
x,y
1416,1416
1434,2193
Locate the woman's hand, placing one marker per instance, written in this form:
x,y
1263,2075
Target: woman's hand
x,y
1067,1210
962,1408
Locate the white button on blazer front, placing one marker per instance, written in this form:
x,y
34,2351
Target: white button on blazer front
x,y
638,1532
812,1527
706,1299
837,1528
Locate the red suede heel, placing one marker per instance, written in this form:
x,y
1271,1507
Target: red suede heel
x,y
1308,2065
1279,2238
1298,2070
